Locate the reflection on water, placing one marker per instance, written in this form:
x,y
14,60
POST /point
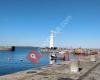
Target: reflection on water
x,y
16,61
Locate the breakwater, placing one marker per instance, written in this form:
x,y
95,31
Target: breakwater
x,y
7,48
4,48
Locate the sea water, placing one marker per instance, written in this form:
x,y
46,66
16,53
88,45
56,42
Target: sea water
x,y
14,61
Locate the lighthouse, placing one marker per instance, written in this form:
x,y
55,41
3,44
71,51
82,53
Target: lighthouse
x,y
52,40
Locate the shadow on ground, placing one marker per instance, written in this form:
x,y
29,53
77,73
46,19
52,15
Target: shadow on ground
x,y
65,79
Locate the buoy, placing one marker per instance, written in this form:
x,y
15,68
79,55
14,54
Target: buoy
x,y
21,59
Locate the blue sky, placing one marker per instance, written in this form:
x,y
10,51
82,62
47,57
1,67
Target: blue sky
x,y
29,22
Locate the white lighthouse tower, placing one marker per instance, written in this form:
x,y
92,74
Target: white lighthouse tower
x,y
52,39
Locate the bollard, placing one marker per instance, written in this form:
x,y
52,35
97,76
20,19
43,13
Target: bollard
x,y
93,58
74,63
74,66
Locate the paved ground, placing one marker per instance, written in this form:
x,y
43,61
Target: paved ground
x,y
94,74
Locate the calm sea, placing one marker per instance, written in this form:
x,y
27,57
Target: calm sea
x,y
14,61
